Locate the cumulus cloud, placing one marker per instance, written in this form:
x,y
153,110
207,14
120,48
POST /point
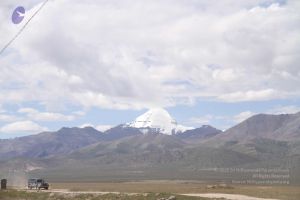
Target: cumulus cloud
x,y
22,127
1,109
251,95
36,115
7,118
201,120
227,121
243,116
100,127
289,109
86,125
103,128
136,54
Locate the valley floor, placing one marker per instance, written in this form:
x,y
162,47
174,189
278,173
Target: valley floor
x,y
93,195
161,189
49,195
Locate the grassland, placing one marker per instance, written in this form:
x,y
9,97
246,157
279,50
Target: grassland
x,y
181,187
144,190
25,195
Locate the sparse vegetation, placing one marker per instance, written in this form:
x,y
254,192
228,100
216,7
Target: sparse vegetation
x,y
139,191
182,187
24,195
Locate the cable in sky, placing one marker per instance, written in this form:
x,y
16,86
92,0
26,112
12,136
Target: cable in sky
x,y
23,27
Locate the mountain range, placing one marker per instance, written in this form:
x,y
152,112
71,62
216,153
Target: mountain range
x,y
154,146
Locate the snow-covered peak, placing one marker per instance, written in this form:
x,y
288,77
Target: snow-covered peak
x,y
158,120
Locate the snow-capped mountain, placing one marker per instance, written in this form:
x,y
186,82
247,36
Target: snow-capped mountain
x,y
157,120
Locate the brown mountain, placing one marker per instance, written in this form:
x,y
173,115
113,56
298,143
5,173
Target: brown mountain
x,y
262,141
48,144
198,134
284,127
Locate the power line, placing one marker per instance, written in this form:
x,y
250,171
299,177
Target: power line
x,y
24,26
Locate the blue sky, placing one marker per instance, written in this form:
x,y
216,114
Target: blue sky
x,y
104,63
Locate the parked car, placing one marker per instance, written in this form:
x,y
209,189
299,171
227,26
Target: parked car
x,y
38,184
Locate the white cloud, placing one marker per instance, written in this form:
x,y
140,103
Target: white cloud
x,y
224,75
7,118
35,115
201,120
22,127
227,121
86,125
79,113
243,116
251,95
290,109
133,54
27,110
100,127
1,109
103,128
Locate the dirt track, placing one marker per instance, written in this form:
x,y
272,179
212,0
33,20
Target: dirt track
x,y
65,191
206,195
227,196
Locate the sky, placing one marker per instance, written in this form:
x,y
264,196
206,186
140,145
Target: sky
x,y
103,63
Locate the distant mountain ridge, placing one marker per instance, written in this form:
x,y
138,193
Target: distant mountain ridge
x,y
262,141
47,144
119,132
283,127
203,132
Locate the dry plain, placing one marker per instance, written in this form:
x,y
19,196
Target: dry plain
x,y
183,187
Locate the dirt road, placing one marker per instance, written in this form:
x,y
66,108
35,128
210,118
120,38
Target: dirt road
x,y
205,195
65,191
226,196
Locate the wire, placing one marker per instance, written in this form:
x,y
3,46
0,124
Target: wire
x,y
24,26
